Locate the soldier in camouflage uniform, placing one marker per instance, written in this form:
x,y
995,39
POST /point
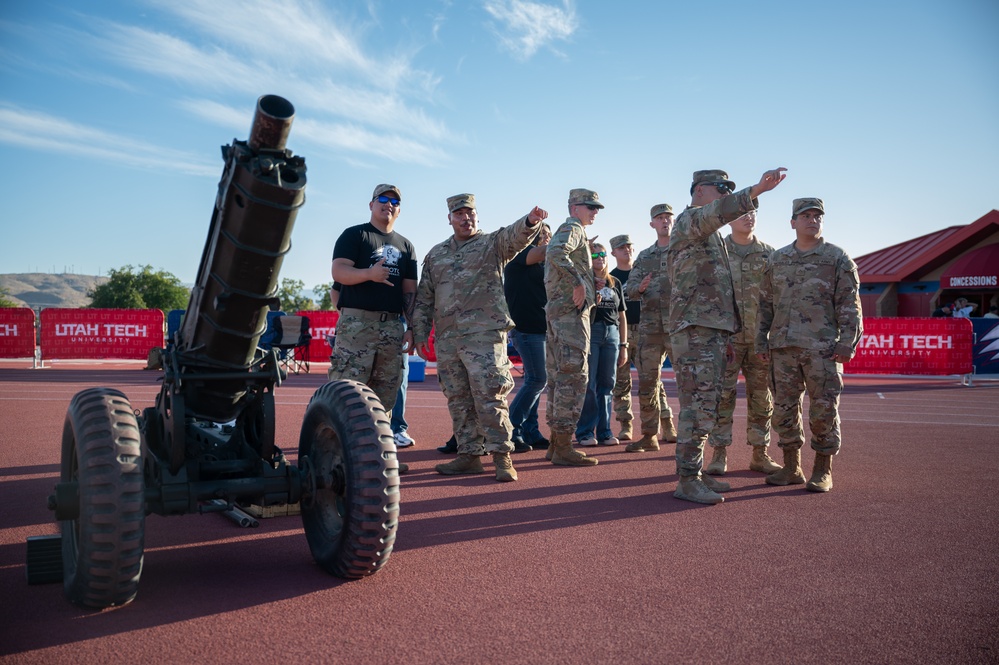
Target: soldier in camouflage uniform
x,y
810,324
649,283
571,294
461,291
703,316
748,256
623,252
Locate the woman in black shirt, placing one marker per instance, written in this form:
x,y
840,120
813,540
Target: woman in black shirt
x,y
608,350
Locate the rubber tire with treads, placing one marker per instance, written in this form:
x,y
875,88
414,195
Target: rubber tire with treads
x,y
102,549
350,521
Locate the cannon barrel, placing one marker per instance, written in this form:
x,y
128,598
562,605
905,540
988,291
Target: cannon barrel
x,y
261,190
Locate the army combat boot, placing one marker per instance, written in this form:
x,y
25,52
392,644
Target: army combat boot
x,y
821,480
719,461
647,444
761,461
715,485
505,472
668,429
462,464
693,488
790,473
626,432
565,455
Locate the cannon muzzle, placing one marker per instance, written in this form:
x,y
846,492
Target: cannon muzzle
x,y
271,123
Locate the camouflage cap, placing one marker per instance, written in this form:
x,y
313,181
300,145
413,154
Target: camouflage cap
x,y
584,197
381,189
712,175
459,201
799,206
620,241
659,209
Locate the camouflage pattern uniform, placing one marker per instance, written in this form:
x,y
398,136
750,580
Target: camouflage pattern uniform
x,y
622,383
567,345
461,291
809,311
702,318
748,263
368,349
652,335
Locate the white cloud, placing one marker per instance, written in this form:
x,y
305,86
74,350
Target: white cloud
x,y
297,49
530,26
40,131
349,137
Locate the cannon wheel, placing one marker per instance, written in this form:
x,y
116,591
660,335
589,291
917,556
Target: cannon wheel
x,y
350,503
102,548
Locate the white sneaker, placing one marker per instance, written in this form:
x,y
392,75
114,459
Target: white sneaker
x,y
587,440
403,440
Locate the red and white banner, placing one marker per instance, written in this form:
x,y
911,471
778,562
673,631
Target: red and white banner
x,y
100,333
939,345
17,332
321,323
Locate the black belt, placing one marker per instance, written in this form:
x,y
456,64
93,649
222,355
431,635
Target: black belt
x,y
368,315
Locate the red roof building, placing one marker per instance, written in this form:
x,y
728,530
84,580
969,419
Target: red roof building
x,y
915,277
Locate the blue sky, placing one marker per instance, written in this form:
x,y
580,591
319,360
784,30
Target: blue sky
x,y
112,114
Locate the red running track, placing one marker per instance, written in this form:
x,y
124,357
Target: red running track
x,y
898,564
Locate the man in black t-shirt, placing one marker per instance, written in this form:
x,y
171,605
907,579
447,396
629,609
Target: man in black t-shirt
x,y
524,288
376,270
623,252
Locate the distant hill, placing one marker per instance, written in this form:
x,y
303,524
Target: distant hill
x,y
39,289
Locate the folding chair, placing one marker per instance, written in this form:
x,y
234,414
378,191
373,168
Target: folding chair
x,y
292,338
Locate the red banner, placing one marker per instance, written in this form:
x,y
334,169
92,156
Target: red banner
x,y
100,333
938,345
17,332
321,323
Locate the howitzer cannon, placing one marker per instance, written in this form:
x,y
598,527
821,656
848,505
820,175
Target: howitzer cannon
x,y
209,442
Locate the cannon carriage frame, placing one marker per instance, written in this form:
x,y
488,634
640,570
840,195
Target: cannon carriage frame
x,y
208,444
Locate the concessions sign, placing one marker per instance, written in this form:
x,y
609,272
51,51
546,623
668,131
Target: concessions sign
x,y
913,346
321,324
100,333
17,332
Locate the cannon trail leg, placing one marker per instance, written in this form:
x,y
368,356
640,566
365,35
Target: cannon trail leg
x,y
102,544
350,503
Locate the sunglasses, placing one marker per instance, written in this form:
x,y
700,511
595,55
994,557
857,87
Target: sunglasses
x,y
592,207
387,199
598,255
721,186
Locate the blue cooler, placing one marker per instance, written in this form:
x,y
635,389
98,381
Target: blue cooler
x,y
417,369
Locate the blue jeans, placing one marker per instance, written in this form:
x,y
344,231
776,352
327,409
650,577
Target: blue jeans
x,y
524,408
604,340
399,423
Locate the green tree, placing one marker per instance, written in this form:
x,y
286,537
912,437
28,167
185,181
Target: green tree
x,y
290,295
145,289
322,292
5,301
